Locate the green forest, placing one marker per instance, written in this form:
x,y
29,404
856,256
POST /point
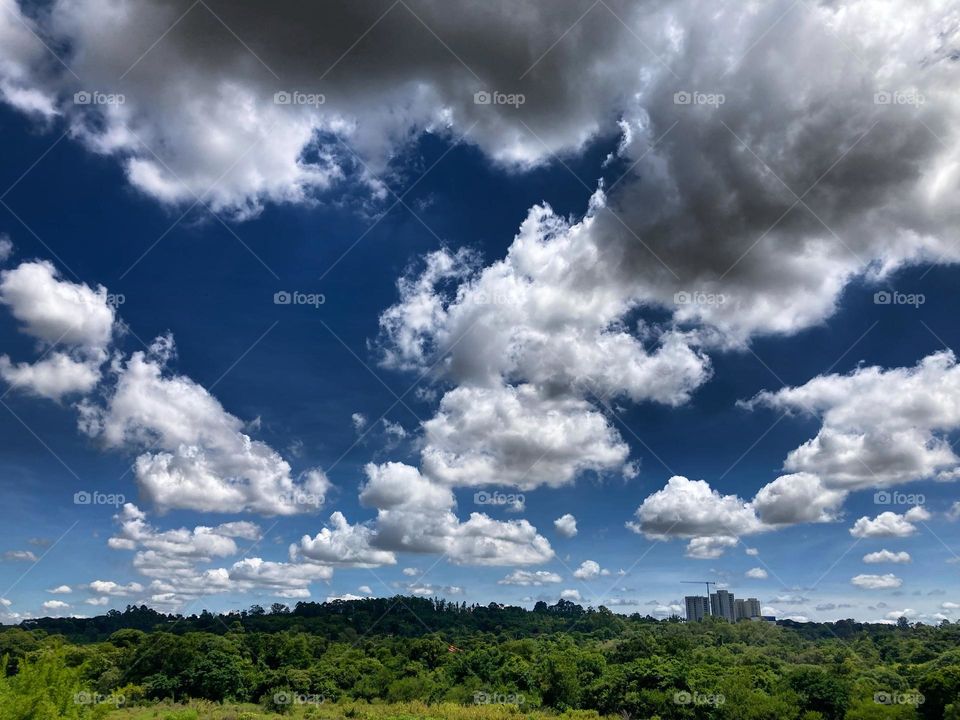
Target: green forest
x,y
403,657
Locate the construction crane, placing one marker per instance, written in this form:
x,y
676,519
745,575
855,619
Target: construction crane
x,y
708,583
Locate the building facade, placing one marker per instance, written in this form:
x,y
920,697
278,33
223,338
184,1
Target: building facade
x,y
697,608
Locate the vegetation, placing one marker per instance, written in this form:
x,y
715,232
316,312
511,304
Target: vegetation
x,y
405,658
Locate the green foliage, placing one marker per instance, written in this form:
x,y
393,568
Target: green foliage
x,y
490,662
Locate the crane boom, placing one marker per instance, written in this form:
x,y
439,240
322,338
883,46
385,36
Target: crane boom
x,y
708,583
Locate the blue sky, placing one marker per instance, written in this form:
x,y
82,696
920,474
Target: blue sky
x,y
386,415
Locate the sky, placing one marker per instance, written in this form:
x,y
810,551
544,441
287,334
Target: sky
x,y
499,302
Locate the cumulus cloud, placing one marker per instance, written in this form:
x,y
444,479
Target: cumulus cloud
x,y
416,515
343,544
55,605
889,524
199,456
61,314
756,573
570,594
691,508
529,440
60,590
887,556
109,587
797,498
526,578
589,570
566,525
879,426
877,582
713,522
709,548
174,559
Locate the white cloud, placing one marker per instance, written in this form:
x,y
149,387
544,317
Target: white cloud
x,y
566,525
527,578
570,594
752,552
879,427
797,498
346,597
589,570
756,573
889,524
109,587
56,312
365,589
528,440
709,548
54,605
204,460
20,556
886,556
691,508
99,602
60,590
343,544
877,582
416,515
6,248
